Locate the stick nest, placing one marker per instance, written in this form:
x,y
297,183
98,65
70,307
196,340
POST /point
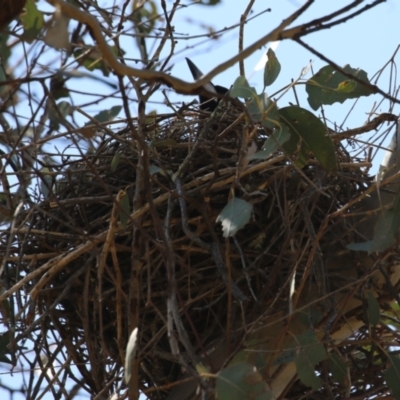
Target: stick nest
x,y
112,243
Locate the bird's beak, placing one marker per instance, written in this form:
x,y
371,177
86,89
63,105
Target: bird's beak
x,y
197,74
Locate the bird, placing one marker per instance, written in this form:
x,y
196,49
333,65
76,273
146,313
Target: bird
x,y
206,103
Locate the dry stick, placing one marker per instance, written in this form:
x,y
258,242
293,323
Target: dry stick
x,y
245,268
228,264
186,162
373,124
199,181
13,230
54,266
211,248
87,314
173,315
56,302
142,172
108,243
118,301
169,33
243,19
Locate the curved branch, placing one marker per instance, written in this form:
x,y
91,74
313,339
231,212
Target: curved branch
x,y
181,86
177,84
373,124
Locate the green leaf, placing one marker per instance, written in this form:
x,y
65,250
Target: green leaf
x,y
32,21
153,169
309,353
338,367
262,109
4,342
313,132
5,51
386,231
365,246
46,182
3,78
144,16
107,115
115,161
125,210
235,215
209,2
241,382
303,156
374,312
329,86
58,88
241,88
392,376
164,143
93,60
58,112
272,144
272,68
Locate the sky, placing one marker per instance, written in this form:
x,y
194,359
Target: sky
x,y
367,42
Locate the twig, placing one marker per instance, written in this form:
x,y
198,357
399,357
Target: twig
x,y
245,269
373,124
211,248
243,19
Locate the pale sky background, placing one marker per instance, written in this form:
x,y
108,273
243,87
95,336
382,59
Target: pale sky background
x,y
366,42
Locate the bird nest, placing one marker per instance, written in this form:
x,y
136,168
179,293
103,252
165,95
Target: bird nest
x,y
129,238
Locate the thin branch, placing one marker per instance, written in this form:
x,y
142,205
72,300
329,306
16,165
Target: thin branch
x,y
177,84
381,118
243,19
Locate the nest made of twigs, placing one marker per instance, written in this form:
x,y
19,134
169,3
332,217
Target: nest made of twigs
x,y
91,279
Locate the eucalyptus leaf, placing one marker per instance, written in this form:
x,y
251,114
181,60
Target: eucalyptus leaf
x,y
241,382
263,109
392,376
272,144
108,115
309,352
313,133
329,86
338,367
272,68
235,215
241,88
125,211
32,21
374,312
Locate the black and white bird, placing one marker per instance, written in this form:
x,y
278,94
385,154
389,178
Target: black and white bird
x,y
207,103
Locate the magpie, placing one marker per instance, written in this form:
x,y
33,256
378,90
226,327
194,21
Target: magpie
x,y
206,103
